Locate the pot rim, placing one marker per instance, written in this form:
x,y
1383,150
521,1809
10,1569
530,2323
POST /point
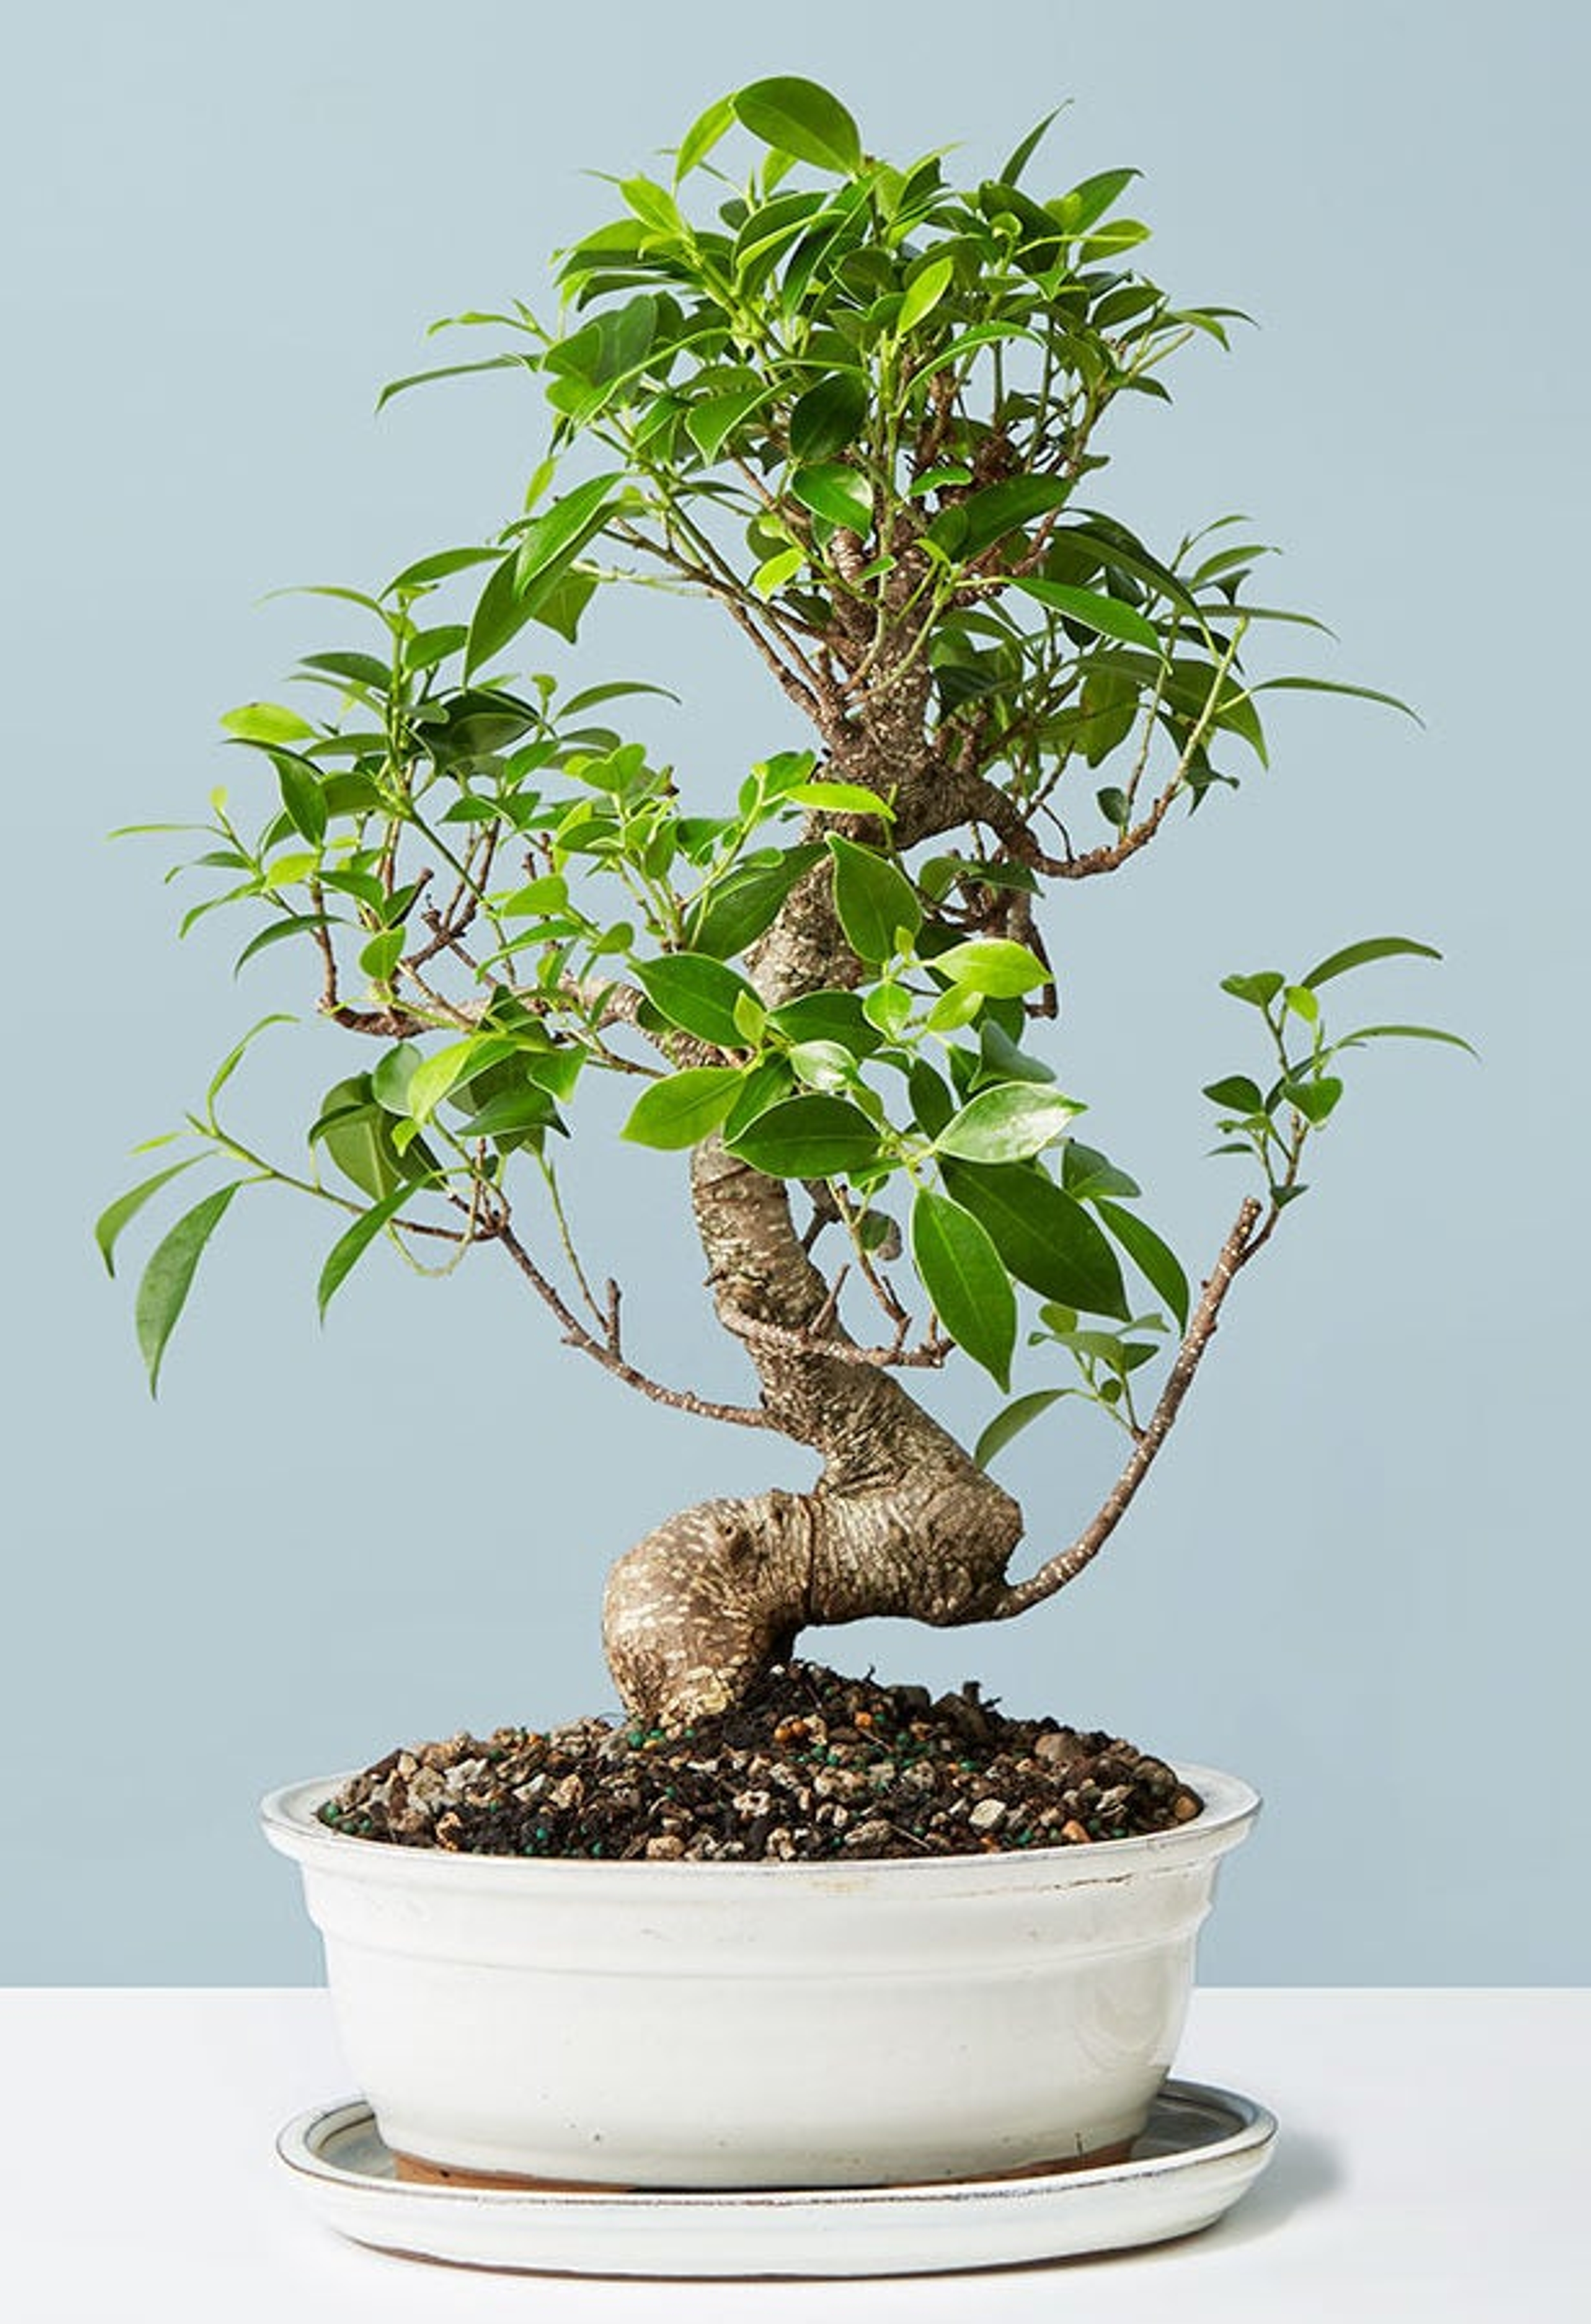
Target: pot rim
x,y
1231,1806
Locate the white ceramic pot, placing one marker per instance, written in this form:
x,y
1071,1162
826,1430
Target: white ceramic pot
x,y
681,2024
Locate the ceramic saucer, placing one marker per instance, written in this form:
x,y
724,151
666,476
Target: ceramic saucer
x,y
1200,2151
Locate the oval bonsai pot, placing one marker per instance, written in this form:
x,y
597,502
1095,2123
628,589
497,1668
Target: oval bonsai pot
x,y
711,2025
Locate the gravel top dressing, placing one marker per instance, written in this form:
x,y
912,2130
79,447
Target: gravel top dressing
x,y
814,1766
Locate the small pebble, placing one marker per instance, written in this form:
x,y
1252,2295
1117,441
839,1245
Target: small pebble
x,y
815,1767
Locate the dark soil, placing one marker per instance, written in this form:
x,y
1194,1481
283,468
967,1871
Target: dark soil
x,y
813,1768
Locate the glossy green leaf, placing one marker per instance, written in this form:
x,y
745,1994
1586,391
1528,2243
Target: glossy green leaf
x,y
702,135
291,924
923,293
167,1279
697,992
743,904
1087,1173
267,722
1330,686
1011,1423
1155,1260
1018,162
829,489
828,416
349,1249
776,572
111,1220
1259,990
822,1065
840,798
994,966
426,571
1093,611
964,1276
800,118
1370,948
235,1056
710,423
302,797
1009,1123
1236,1094
874,899
1404,1033
437,1074
1045,1237
987,516
1317,1098
683,1110
819,1137
827,1016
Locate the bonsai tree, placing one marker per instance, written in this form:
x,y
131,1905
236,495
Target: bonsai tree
x,y
858,410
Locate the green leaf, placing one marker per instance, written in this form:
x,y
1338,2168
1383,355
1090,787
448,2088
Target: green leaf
x,y
808,1138
827,1016
702,135
829,417
108,1226
1155,1260
391,1078
349,1249
1087,1173
738,908
683,1110
1018,162
964,1276
711,422
565,526
234,1057
831,490
1011,1423
1007,1123
823,1064
994,966
1315,1099
1045,1237
800,118
427,570
292,924
267,722
523,585
1259,990
1092,611
1330,686
1004,1060
840,798
923,293
698,993
777,571
1404,1033
358,669
166,1281
1356,955
875,901
302,797
444,1069
357,1136
1236,1094
999,508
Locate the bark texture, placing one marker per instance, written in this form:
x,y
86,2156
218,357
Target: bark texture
x,y
901,1521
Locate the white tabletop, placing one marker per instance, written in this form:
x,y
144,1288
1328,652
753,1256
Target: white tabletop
x,y
1432,2164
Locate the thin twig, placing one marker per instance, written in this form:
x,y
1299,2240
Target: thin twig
x,y
576,1335
1239,1247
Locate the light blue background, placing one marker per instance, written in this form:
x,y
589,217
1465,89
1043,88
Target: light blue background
x,y
1360,1573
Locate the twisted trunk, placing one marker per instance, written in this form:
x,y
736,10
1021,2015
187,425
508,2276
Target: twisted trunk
x,y
901,1521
